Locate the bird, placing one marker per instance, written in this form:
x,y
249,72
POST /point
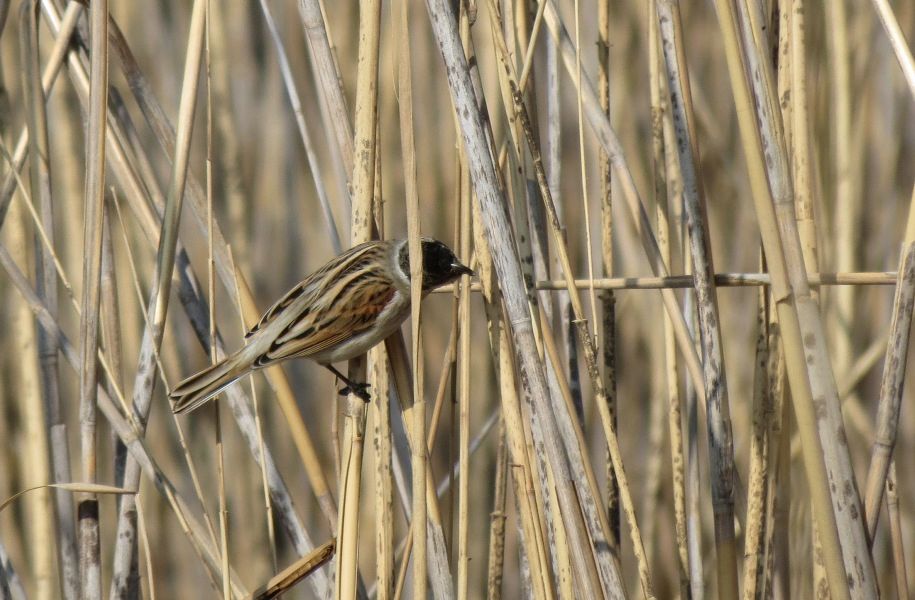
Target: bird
x,y
337,313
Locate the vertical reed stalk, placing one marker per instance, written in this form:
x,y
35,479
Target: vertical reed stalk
x,y
50,444
721,444
363,182
667,192
87,508
463,562
211,295
813,386
889,405
608,299
892,510
417,421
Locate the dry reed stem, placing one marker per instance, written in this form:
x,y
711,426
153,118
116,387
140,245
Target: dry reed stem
x,y
31,451
495,564
51,440
721,280
891,385
416,423
265,480
758,492
721,444
846,201
813,388
438,558
283,581
608,299
198,317
667,189
228,271
898,548
530,223
296,104
337,115
599,528
87,507
211,306
157,307
799,134
54,62
610,143
384,509
897,41
125,429
363,187
596,519
522,477
464,356
506,264
256,79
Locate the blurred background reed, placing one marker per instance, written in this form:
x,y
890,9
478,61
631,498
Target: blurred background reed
x,y
228,92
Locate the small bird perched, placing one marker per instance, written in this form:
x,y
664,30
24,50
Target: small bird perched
x,y
337,313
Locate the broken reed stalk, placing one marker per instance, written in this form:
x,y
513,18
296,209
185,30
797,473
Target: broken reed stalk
x,y
355,411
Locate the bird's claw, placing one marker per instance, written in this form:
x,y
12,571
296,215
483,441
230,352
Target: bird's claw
x,y
360,390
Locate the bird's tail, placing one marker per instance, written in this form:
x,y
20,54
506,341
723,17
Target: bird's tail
x,y
197,389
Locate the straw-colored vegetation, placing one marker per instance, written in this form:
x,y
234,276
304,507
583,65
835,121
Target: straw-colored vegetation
x,y
679,371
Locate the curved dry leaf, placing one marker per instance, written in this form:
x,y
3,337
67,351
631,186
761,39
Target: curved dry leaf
x,y
87,488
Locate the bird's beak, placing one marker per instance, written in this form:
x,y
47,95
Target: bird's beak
x,y
460,269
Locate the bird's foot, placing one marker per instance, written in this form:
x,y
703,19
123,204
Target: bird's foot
x,y
359,390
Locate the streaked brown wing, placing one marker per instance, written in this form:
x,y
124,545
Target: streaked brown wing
x,y
318,282
308,337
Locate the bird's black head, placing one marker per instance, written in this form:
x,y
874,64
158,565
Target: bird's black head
x,y
440,265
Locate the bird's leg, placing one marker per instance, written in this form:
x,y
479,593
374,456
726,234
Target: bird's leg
x,y
358,389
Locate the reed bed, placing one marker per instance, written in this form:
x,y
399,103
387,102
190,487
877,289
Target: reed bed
x,y
678,371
